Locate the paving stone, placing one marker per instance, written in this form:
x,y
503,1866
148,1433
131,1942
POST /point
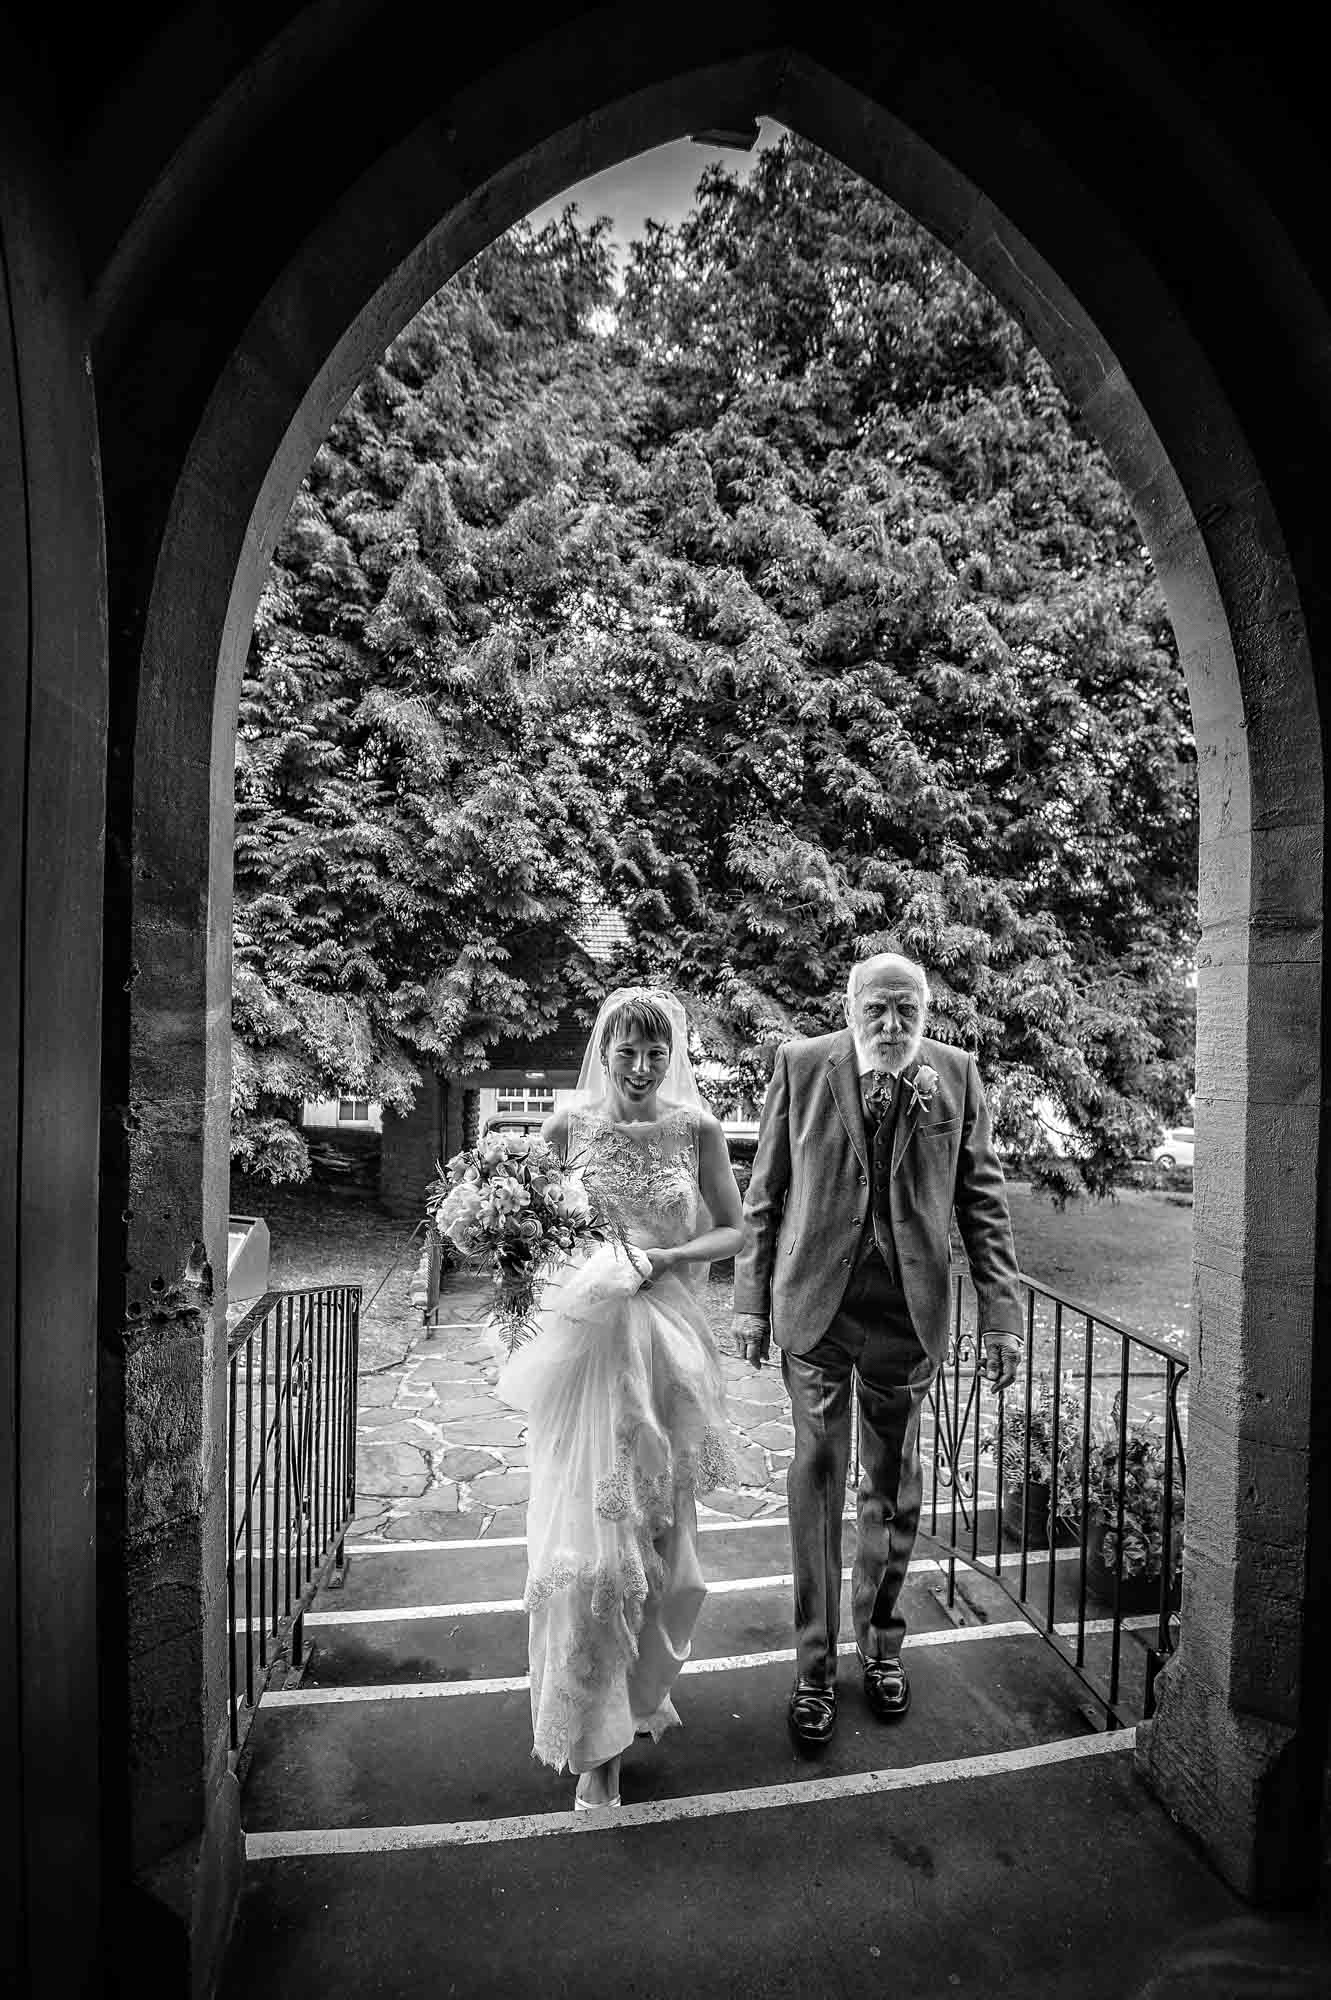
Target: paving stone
x,y
507,1521
373,1391
441,1372
778,1437
470,1352
465,1461
416,1395
429,1525
410,1410
398,1429
453,1408
440,1498
742,1505
495,1430
501,1489
750,1464
746,1415
394,1469
382,1347
764,1380
379,1420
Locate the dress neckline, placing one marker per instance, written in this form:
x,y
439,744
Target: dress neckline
x,y
649,1126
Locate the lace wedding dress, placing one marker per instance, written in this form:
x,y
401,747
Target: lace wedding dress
x,y
625,1398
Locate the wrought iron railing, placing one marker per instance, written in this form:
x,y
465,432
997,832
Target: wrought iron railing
x,y
1066,1491
291,1466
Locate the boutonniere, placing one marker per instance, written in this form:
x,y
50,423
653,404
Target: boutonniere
x,y
922,1087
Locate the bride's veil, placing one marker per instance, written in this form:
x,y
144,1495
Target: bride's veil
x,y
679,1086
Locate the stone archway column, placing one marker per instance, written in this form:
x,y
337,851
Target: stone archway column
x,y
1233,1746
1237,1748
185,1841
53,710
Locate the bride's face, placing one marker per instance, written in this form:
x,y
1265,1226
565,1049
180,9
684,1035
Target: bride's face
x,y
635,1064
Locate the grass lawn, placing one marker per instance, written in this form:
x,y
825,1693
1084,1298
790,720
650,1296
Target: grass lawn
x,y
1130,1257
324,1236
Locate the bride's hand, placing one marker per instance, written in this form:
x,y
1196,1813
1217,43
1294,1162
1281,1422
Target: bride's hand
x,y
660,1260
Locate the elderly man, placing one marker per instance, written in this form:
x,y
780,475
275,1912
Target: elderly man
x,y
870,1139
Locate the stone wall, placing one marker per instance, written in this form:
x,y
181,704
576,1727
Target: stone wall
x,y
1150,205
412,1149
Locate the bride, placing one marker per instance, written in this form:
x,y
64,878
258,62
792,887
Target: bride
x,y
625,1401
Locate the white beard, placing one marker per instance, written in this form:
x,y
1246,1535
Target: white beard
x,y
893,1064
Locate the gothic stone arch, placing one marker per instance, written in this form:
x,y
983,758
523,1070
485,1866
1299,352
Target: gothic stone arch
x,y
237,308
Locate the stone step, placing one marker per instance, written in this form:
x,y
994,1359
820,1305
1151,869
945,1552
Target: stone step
x,y
387,1573
1062,1881
489,1644
392,1762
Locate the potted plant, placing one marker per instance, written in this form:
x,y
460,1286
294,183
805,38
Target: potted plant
x,y
1027,1480
1137,1466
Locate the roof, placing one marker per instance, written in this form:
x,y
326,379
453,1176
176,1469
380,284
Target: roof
x,y
602,933
560,1049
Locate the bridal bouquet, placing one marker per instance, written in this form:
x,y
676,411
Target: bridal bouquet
x,y
512,1207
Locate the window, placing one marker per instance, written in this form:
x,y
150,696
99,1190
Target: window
x,y
527,1103
353,1110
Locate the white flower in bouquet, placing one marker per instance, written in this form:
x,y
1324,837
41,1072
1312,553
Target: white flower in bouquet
x,y
518,1212
459,1213
507,1194
568,1197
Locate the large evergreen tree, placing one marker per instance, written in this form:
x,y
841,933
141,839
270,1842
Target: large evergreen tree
x,y
780,599
415,832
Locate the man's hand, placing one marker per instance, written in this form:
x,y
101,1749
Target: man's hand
x,y
752,1335
1002,1355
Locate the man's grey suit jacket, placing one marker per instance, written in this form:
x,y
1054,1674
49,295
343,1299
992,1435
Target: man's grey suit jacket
x,y
808,1199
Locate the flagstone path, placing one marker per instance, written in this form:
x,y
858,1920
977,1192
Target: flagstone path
x,y
441,1458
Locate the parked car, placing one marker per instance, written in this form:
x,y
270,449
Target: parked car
x,y
1175,1149
524,1123
741,1137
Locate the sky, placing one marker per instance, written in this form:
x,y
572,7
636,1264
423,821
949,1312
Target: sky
x,y
658,185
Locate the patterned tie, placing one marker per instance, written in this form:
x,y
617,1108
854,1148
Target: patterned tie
x,y
878,1096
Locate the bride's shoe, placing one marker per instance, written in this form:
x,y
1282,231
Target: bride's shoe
x,y
597,1805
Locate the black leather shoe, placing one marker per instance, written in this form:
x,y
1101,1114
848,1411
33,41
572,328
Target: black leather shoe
x,y
811,1714
886,1689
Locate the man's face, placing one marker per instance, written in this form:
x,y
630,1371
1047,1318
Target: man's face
x,y
887,1015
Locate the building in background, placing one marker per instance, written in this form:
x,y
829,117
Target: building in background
x,y
523,1080
353,1114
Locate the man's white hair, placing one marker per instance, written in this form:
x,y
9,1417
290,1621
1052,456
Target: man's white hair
x,y
890,962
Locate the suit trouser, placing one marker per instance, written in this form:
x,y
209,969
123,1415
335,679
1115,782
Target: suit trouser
x,y
873,1338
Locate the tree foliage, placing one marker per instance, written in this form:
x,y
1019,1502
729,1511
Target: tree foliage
x,y
780,600
415,831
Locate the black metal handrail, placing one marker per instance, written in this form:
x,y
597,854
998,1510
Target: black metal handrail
x,y
1076,1472
291,1476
